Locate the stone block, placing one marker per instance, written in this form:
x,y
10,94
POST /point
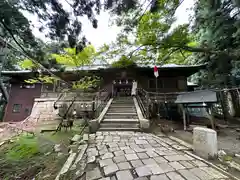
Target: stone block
x,y
201,174
198,163
124,175
149,161
108,155
186,164
129,151
159,177
160,160
143,171
142,155
118,153
166,167
188,175
94,174
152,154
103,151
93,125
76,137
176,165
176,158
141,178
119,159
144,124
111,169
130,157
141,141
106,178
136,163
124,147
155,169
174,176
205,142
124,166
105,162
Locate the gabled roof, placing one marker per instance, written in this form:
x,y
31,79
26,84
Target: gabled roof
x,y
107,66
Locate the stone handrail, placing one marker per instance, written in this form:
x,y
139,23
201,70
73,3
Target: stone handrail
x,y
144,123
94,124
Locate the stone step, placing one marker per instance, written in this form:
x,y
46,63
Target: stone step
x,y
122,101
121,113
121,116
122,109
117,125
122,98
118,129
129,120
122,106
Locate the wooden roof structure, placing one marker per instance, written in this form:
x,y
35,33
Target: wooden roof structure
x,y
199,96
98,70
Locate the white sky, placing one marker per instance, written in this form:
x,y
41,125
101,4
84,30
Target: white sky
x,y
105,33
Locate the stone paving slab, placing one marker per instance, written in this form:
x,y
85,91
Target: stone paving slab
x,y
142,156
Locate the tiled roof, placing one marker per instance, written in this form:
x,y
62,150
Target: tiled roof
x,y
106,66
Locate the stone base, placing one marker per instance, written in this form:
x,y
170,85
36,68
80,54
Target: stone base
x,y
144,124
93,125
205,142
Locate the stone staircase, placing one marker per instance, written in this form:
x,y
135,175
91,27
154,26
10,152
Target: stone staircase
x,y
121,115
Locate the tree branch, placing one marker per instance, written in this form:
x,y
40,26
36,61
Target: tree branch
x,y
26,53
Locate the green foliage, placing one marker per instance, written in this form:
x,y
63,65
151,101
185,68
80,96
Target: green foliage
x,y
25,147
216,26
123,62
86,82
71,59
27,64
157,40
42,79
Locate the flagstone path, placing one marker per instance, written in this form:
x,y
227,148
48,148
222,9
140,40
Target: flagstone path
x,y
140,156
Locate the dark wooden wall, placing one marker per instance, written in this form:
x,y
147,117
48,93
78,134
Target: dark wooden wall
x,y
24,97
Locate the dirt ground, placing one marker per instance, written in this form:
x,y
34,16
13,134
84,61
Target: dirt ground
x,y
228,141
228,138
28,156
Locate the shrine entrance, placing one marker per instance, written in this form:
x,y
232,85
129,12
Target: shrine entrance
x,y
122,87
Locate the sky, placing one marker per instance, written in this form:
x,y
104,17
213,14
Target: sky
x,y
106,33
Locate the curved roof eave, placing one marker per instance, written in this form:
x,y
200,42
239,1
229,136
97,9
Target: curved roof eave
x,y
102,67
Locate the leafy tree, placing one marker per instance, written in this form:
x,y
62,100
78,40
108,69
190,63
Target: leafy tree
x,y
72,59
153,38
217,26
69,59
123,62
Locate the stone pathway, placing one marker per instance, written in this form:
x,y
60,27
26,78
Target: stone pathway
x,y
141,156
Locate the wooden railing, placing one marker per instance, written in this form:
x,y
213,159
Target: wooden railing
x,y
147,99
101,101
66,96
144,102
84,102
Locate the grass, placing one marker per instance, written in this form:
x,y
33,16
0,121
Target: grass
x,y
24,147
29,156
